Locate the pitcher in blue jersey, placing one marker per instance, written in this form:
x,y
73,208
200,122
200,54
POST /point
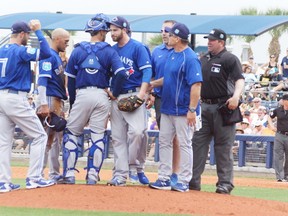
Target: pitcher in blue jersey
x,y
89,70
181,82
15,83
52,93
129,129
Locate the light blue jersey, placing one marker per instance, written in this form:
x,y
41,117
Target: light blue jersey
x,y
159,58
185,68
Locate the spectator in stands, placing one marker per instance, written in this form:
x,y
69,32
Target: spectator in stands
x,y
284,64
247,115
273,63
253,64
245,125
250,77
261,116
262,87
280,148
256,104
258,128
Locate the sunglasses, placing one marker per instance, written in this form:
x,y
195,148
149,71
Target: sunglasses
x,y
272,56
166,29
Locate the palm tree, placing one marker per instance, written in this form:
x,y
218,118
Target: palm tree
x,y
274,45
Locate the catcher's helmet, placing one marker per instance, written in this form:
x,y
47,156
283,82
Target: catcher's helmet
x,y
97,23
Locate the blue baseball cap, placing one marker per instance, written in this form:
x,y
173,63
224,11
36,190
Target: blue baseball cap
x,y
180,30
120,22
20,26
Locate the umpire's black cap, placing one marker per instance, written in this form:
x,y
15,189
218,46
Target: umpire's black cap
x,y
217,34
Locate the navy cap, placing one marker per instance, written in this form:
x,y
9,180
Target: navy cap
x,y
120,22
180,30
217,34
19,27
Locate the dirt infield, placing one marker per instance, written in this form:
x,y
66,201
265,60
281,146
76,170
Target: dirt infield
x,y
135,198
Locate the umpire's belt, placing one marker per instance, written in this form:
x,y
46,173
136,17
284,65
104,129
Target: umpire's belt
x,y
283,132
214,100
11,91
130,90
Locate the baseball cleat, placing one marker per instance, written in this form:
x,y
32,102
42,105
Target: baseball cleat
x,y
67,180
7,187
161,185
38,183
143,178
133,178
180,187
57,178
116,182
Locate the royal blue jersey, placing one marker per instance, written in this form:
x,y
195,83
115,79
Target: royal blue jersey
x,y
159,58
135,58
51,75
104,63
181,71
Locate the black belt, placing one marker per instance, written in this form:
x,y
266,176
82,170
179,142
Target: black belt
x,y
214,100
283,132
130,90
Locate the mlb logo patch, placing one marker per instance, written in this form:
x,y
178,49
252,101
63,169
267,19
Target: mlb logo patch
x,y
46,66
31,50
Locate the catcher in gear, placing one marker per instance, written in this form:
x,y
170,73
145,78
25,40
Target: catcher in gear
x,y
129,104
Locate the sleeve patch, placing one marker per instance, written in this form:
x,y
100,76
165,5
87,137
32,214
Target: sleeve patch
x,y
46,66
31,50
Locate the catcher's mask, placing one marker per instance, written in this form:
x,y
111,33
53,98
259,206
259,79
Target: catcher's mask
x,y
55,122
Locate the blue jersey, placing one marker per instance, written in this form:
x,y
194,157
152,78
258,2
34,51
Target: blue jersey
x,y
15,61
15,67
181,71
104,61
135,58
159,58
53,71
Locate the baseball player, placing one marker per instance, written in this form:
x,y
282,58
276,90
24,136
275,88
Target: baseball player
x,y
15,82
52,92
159,57
129,129
89,71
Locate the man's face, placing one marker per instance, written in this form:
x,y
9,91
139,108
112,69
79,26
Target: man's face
x,y
25,38
116,33
165,32
215,46
63,43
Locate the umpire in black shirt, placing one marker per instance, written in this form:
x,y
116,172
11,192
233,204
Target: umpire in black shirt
x,y
222,83
280,148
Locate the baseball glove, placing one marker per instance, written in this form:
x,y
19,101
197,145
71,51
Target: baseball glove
x,y
130,104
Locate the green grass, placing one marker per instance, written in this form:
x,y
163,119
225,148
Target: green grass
x,y
255,192
14,211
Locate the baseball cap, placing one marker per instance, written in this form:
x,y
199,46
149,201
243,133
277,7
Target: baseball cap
x,y
180,30
257,123
20,26
120,22
285,97
247,112
217,34
245,121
